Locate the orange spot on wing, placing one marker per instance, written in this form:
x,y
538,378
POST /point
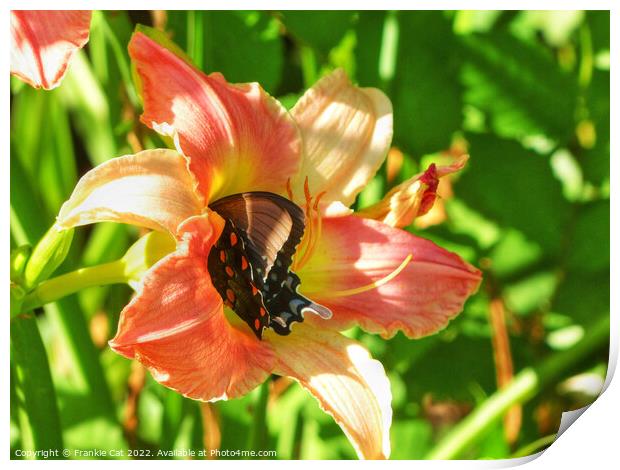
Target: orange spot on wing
x,y
254,289
233,239
229,271
244,263
262,312
223,256
230,295
257,324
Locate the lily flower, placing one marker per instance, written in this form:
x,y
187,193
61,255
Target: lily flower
x,y
43,43
412,198
235,138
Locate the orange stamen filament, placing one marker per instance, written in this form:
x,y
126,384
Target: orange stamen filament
x,y
314,228
289,190
375,284
319,219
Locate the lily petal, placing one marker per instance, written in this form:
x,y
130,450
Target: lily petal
x,y
412,198
348,384
237,137
346,132
152,189
43,43
176,326
354,253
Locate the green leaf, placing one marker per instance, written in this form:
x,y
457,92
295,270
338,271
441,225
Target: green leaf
x,y
555,26
195,37
150,415
513,252
117,371
46,153
72,328
466,364
39,421
256,58
583,296
27,222
599,23
83,95
258,435
320,30
426,89
369,36
495,445
532,293
519,86
236,421
257,54
171,419
28,109
85,427
590,245
410,439
57,171
595,161
514,187
116,29
470,21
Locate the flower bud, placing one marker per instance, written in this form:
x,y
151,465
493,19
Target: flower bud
x,y
19,259
49,253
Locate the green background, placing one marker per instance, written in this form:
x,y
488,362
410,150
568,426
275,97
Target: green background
x,y
527,92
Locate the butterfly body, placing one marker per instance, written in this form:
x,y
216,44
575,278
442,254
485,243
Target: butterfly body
x,y
249,264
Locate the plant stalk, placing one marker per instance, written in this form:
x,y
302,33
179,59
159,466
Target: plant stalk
x,y
74,281
523,387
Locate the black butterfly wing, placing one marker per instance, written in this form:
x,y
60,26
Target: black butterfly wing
x,y
268,229
273,225
233,278
287,305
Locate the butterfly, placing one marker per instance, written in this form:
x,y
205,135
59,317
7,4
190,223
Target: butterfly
x,y
250,262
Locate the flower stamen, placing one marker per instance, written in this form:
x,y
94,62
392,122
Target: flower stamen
x,y
289,190
314,228
375,284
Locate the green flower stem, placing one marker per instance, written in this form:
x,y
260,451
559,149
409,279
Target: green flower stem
x,y
523,387
74,281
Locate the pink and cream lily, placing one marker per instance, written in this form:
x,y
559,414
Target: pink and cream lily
x,y
43,43
233,138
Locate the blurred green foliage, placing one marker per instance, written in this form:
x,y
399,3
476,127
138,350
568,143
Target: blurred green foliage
x,y
527,93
